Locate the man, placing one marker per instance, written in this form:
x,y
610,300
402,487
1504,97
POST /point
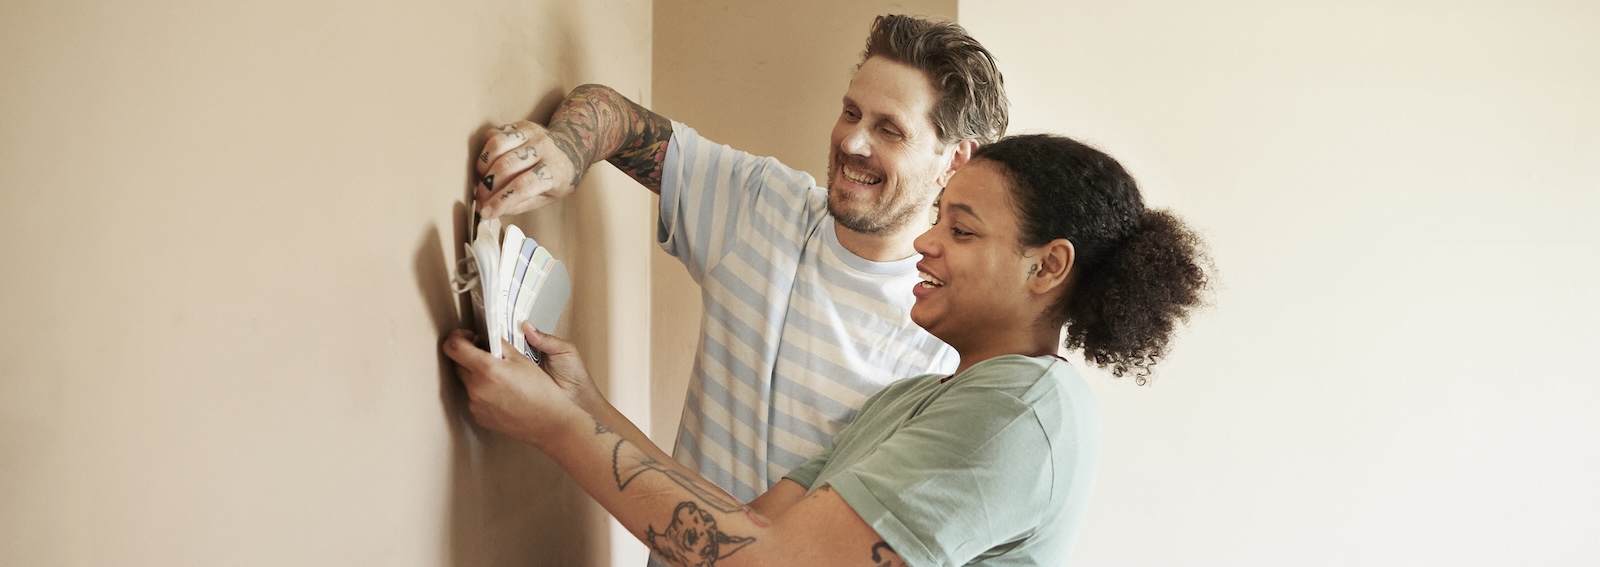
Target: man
x,y
807,291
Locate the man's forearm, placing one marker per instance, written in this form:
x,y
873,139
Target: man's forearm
x,y
596,123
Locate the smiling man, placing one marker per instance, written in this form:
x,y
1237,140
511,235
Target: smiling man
x,y
807,290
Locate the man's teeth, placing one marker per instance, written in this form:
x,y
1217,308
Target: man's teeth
x,y
861,177
929,281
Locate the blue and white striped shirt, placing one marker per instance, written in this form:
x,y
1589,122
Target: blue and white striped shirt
x,y
797,331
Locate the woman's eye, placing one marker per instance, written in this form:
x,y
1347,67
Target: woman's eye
x,y
959,232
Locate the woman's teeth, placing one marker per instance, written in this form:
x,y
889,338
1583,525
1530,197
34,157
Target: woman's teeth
x,y
929,281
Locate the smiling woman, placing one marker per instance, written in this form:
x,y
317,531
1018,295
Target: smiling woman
x,y
992,464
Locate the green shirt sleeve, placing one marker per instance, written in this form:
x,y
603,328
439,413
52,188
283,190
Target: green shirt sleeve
x,y
967,473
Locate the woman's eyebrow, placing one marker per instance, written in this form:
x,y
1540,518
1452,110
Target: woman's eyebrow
x,y
967,209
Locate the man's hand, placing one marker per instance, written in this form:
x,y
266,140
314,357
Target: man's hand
x,y
525,166
522,168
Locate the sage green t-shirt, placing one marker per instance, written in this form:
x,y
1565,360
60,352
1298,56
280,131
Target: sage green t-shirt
x,y
990,467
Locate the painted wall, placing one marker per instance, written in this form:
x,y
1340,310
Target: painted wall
x,y
1401,199
226,231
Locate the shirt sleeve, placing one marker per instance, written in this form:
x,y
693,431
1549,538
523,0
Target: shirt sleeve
x,y
966,475
713,195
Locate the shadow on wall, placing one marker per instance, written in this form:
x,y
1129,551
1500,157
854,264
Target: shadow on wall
x,y
509,504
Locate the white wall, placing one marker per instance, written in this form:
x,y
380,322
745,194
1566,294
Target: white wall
x,y
1402,200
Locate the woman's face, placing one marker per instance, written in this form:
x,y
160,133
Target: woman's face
x,y
974,272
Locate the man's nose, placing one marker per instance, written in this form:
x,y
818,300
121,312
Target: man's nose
x,y
857,142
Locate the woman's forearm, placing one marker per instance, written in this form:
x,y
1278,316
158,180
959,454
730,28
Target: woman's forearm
x,y
680,516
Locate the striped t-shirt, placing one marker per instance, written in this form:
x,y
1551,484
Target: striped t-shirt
x,y
797,331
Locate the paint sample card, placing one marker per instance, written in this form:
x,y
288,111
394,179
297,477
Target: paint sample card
x,y
511,279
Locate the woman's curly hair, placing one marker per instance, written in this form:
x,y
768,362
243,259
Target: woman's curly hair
x,y
1137,272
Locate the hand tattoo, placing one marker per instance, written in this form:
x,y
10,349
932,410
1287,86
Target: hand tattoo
x,y
512,131
524,153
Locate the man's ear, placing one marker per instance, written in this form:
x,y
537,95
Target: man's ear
x,y
963,153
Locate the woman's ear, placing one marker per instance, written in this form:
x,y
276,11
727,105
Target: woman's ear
x,y
963,154
1056,260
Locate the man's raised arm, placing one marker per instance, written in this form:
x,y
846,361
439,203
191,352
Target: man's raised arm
x,y
526,166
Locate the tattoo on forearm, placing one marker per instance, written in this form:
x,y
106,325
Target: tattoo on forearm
x,y
598,119
628,463
884,556
693,538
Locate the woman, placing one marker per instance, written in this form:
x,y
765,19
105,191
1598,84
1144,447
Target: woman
x,y
990,465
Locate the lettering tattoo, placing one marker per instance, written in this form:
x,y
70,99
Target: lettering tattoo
x,y
693,538
526,153
884,556
543,172
596,119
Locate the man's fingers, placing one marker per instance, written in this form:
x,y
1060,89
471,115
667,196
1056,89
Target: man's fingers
x,y
500,140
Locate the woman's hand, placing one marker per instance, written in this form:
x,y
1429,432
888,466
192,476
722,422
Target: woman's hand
x,y
517,398
562,363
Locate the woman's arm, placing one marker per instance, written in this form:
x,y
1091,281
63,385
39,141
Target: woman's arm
x,y
678,514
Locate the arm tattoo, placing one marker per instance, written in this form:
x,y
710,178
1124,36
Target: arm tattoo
x,y
884,556
693,538
627,465
611,127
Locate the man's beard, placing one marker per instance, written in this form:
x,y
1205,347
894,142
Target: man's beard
x,y
874,218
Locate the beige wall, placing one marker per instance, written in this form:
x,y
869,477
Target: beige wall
x,y
1402,198
226,232
763,77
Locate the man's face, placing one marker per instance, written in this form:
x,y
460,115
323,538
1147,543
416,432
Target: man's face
x,y
885,163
